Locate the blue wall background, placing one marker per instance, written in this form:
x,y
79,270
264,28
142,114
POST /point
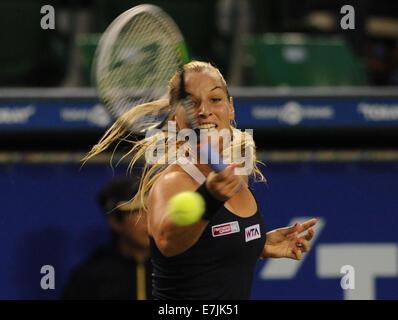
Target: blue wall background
x,y
49,216
358,203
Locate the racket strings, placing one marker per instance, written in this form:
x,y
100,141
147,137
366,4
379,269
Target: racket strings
x,y
131,76
127,70
142,34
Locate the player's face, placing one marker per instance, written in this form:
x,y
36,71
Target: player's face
x,y
213,107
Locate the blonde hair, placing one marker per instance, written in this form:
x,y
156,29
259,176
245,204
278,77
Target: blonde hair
x,y
119,132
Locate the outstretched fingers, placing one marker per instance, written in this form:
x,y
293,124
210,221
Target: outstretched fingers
x,y
297,253
303,244
307,224
310,234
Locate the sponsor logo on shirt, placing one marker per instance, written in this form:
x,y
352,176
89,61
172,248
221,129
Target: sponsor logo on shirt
x,y
225,228
252,232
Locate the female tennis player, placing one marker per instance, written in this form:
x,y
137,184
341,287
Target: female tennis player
x,y
215,257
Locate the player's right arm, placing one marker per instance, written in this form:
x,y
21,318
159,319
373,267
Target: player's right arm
x,y
170,238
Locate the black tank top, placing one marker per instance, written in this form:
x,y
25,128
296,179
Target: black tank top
x,y
220,265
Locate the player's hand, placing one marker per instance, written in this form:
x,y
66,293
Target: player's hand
x,y
224,184
287,242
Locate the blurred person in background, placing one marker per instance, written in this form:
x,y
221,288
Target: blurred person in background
x,y
121,269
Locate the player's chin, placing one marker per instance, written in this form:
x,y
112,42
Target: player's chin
x,y
221,130
224,128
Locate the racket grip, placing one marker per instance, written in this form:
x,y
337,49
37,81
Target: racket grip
x,y
217,167
206,150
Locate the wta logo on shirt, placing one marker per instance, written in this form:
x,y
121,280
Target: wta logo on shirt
x,y
252,232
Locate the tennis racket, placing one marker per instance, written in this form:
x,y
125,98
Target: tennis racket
x,y
136,57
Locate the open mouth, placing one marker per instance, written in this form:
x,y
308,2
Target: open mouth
x,y
208,126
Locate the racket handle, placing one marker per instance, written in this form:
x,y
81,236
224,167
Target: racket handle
x,y
206,150
217,167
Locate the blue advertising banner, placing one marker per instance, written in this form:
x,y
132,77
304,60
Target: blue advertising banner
x,y
50,218
252,111
327,112
53,115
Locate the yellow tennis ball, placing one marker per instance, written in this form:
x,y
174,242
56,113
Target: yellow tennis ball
x,y
186,208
